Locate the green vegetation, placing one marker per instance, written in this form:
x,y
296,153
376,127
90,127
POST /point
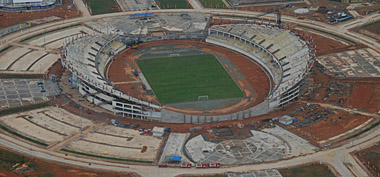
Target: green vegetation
x,y
46,32
104,157
184,78
373,27
21,136
47,175
6,48
365,130
213,3
9,160
23,108
21,76
102,6
173,4
307,171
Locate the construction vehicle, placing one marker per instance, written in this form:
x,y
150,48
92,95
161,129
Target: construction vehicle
x,y
201,165
214,165
163,165
186,165
137,42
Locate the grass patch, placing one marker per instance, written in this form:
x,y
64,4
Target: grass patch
x,y
184,78
307,171
8,161
104,157
212,3
6,48
23,108
20,76
173,4
46,32
365,130
102,6
373,27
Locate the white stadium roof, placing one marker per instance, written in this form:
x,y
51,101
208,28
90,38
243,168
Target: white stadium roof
x,y
26,1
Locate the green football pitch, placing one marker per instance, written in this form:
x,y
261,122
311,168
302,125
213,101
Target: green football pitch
x,y
184,78
102,6
173,4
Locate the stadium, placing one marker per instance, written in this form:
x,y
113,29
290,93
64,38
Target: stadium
x,y
179,73
189,88
19,5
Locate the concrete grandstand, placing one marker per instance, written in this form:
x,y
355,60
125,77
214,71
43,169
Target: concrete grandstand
x,y
19,5
283,55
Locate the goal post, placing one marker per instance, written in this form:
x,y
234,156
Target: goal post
x,y
203,98
174,55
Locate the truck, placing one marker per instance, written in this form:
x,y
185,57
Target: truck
x,y
162,165
201,165
186,165
214,165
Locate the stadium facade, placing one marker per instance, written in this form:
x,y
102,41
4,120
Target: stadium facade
x,y
20,5
281,53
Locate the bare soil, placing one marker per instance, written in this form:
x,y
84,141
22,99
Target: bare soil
x,y
42,168
370,158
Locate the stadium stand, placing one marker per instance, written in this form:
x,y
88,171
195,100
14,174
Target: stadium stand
x,y
86,57
282,54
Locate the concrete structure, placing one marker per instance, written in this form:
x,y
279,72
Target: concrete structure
x,y
284,56
158,131
352,64
286,120
337,157
20,5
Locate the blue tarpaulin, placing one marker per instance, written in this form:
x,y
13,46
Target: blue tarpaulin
x,y
177,158
141,15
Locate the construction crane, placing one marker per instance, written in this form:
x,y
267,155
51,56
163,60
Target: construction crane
x,y
137,42
278,10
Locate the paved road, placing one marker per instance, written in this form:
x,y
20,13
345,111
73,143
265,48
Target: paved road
x,y
196,4
335,157
82,8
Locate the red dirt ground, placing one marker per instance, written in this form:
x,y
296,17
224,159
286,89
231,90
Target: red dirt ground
x,y
368,9
364,95
254,75
331,127
327,46
12,18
